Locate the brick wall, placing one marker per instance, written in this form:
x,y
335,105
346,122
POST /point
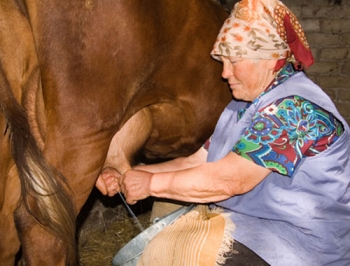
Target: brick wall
x,y
327,27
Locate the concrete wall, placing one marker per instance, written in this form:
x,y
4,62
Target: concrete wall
x,y
327,27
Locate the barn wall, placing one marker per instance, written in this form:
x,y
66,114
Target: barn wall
x,y
327,28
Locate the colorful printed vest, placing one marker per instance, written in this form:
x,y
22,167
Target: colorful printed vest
x,y
298,220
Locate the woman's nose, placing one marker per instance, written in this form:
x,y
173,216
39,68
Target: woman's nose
x,y
226,70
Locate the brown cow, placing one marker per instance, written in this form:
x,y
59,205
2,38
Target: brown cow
x,y
75,73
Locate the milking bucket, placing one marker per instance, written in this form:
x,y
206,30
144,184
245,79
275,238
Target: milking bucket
x,y
131,252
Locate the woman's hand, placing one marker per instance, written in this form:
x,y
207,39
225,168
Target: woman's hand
x,y
108,181
135,185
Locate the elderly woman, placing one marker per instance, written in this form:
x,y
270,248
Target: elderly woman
x,y
278,160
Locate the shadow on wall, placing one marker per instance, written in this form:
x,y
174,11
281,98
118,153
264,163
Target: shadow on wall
x,y
335,2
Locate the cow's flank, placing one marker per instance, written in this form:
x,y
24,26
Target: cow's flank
x,y
75,75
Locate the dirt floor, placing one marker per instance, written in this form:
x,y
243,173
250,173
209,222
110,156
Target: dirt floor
x,y
105,227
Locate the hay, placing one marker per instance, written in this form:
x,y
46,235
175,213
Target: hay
x,y
98,246
105,230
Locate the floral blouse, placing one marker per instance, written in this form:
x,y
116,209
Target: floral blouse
x,y
287,130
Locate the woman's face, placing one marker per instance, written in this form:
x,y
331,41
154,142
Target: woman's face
x,y
247,78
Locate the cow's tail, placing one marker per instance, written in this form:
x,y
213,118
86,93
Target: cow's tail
x,y
44,191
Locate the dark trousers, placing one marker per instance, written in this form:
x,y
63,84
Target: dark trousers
x,y
240,255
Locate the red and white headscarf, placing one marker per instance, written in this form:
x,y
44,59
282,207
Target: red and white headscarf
x,y
263,29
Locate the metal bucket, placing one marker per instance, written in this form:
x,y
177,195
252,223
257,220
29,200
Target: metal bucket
x,y
131,252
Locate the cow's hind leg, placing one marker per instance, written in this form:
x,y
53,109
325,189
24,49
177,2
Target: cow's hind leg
x,y
9,197
9,241
36,239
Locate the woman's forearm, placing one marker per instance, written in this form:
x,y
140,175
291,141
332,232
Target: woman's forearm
x,y
180,163
204,183
188,185
209,182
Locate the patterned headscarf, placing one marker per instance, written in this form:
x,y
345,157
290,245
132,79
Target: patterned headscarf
x,y
263,29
